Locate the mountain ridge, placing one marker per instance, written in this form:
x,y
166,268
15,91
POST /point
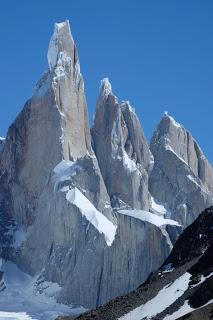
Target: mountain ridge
x,y
91,209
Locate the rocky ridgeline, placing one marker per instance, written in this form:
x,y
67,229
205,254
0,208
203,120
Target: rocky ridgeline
x,y
93,210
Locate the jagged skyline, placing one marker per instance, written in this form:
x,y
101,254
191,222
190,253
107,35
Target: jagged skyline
x,y
71,197
170,68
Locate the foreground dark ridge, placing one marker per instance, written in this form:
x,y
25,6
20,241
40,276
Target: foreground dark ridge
x,y
192,253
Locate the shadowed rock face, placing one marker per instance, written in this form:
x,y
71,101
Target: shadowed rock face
x,y
122,151
182,176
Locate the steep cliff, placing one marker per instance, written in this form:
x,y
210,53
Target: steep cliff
x,y
57,220
182,176
122,151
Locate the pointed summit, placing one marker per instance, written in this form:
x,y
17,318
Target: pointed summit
x,y
171,120
105,87
121,149
182,176
61,42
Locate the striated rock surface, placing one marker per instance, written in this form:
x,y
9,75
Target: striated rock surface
x,y
47,154
122,151
182,176
56,215
84,209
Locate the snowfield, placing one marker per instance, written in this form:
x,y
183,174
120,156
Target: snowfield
x,y
21,300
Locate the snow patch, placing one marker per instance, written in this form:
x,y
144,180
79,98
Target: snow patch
x,y
169,148
147,216
202,279
129,164
127,103
193,180
64,171
105,87
167,268
175,123
165,297
184,310
95,217
14,316
63,65
53,49
158,208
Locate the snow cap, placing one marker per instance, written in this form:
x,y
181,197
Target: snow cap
x,y
105,87
171,119
61,42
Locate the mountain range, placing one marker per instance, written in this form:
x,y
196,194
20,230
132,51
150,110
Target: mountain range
x,y
89,213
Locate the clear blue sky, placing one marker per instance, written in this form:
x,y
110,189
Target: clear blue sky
x,y
157,53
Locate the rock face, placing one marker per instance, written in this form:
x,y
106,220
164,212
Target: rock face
x,y
182,176
122,151
181,289
57,208
86,210
41,155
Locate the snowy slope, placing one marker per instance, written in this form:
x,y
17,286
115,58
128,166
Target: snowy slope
x,y
28,298
161,301
184,310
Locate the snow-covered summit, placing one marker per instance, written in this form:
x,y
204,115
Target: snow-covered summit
x,y
53,49
61,45
105,87
172,120
126,104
